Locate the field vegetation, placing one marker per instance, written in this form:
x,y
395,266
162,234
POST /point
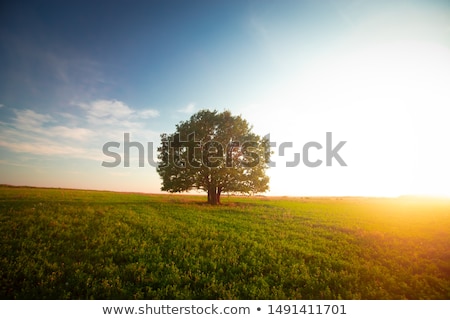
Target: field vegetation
x,y
75,244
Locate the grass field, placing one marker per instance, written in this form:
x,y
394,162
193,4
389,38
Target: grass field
x,y
73,244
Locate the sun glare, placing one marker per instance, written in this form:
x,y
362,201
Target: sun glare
x,y
389,100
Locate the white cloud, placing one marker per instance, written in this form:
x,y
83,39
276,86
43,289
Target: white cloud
x,y
48,148
81,134
190,108
30,119
149,113
114,113
41,125
107,109
1,105
75,135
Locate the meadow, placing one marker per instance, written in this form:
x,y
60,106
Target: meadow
x,y
75,244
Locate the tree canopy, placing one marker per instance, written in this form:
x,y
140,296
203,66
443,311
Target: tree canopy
x,y
214,152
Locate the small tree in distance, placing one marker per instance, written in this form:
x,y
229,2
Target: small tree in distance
x,y
214,152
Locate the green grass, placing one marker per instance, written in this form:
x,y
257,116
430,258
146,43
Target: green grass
x,y
73,244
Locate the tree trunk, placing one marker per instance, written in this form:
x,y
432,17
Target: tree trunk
x,y
219,192
212,195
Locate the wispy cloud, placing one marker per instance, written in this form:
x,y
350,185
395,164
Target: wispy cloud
x,y
44,125
190,108
150,113
114,112
102,109
29,119
53,70
79,135
12,163
1,105
53,148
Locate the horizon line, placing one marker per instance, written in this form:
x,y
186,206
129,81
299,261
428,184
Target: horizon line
x,y
420,196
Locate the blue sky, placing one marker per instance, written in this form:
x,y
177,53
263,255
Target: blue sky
x,y
77,74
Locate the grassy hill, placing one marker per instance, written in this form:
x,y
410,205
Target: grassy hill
x,y
75,244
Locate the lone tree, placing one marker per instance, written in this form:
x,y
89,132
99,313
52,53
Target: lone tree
x,y
214,152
